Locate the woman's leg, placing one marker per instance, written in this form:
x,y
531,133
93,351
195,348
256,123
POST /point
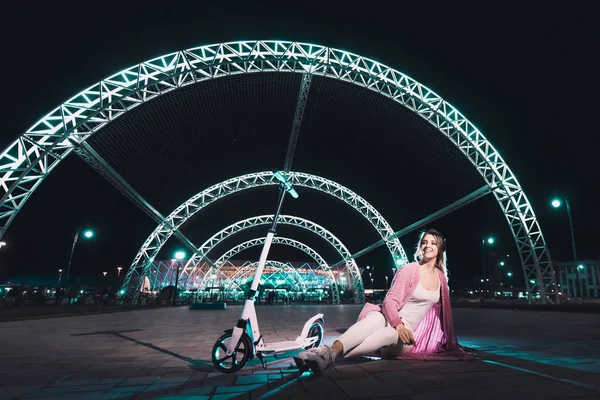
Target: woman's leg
x,y
366,336
358,332
394,351
383,337
353,336
362,338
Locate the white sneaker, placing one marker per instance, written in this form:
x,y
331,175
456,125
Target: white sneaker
x,y
301,357
321,361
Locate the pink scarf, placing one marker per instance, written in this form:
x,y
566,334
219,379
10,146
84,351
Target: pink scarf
x,y
435,338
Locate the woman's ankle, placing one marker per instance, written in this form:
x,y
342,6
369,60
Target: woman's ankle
x,y
337,347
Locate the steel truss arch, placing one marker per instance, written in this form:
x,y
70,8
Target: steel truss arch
x,y
286,242
181,214
33,155
240,271
276,240
278,265
192,265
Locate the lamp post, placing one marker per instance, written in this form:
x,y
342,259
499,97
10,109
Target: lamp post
x,y
59,278
371,269
179,255
556,203
490,240
87,234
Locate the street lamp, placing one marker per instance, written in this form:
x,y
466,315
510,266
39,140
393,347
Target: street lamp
x,y
490,240
87,234
371,269
179,255
59,278
119,271
2,244
556,203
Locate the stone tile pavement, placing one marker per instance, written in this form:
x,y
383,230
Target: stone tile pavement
x,y
165,354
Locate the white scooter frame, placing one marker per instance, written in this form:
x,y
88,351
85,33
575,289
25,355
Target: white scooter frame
x,y
247,333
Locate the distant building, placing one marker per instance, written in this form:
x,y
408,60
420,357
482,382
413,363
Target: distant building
x,y
579,278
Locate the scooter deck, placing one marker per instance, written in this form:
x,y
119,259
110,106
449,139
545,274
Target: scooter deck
x,y
280,346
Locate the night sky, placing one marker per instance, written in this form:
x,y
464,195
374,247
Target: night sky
x,y
527,78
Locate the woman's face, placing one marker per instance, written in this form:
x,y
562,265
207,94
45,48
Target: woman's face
x,y
429,247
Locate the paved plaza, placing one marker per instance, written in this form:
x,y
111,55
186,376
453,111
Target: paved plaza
x,y
165,354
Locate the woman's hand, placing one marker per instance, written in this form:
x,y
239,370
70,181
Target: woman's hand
x,y
405,335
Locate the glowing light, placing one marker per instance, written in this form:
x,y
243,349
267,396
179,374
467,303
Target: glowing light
x,y
581,266
556,203
88,234
180,255
491,240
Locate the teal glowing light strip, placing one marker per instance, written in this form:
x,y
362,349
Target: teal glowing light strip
x,y
569,381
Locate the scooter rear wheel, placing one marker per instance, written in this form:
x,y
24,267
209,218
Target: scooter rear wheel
x,y
316,330
237,359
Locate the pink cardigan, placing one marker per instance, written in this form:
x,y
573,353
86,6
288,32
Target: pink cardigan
x,y
434,337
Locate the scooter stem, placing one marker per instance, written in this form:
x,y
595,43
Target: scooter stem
x,y
261,261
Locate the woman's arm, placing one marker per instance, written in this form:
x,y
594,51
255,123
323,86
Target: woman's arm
x,y
391,304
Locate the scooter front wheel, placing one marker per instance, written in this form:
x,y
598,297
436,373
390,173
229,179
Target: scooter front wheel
x,y
237,359
316,330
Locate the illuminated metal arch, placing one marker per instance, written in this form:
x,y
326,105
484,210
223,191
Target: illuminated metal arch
x,y
292,275
276,240
193,262
181,214
276,265
31,157
286,242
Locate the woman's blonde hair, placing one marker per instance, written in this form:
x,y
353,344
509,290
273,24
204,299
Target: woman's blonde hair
x,y
440,241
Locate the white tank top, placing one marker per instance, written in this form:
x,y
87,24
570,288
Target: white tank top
x,y
418,306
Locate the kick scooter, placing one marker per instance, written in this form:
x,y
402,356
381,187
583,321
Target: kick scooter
x,y
244,342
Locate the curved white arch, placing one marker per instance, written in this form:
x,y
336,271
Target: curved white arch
x,y
276,240
206,277
189,208
280,266
286,242
193,262
31,157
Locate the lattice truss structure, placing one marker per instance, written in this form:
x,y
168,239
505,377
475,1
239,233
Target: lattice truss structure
x,y
181,214
321,264
32,156
193,267
309,281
